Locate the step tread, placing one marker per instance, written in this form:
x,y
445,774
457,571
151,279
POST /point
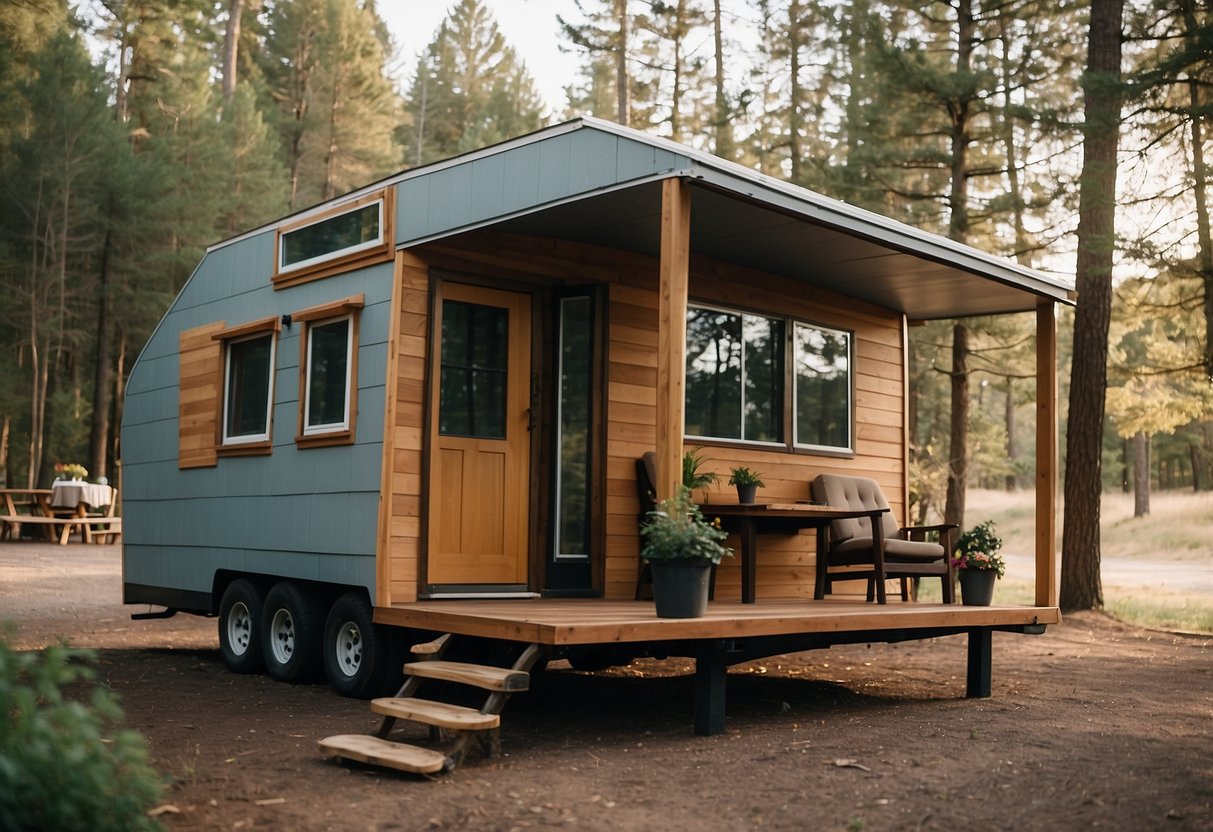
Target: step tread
x,y
363,748
440,714
481,676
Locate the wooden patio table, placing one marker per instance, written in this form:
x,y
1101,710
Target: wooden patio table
x,y
750,520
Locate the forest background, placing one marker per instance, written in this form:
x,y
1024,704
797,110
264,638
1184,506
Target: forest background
x,y
1068,136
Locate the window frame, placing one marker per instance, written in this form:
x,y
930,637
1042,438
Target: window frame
x,y
261,443
788,443
312,436
808,447
343,259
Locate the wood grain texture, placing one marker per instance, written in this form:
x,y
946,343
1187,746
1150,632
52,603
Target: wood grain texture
x,y
1046,453
199,393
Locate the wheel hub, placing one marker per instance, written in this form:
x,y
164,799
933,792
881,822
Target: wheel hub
x,y
239,628
282,632
348,648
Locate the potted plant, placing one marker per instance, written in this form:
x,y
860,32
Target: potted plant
x,y
692,477
748,482
681,548
978,564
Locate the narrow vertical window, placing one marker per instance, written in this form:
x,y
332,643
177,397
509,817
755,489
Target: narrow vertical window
x,y
327,394
248,377
575,396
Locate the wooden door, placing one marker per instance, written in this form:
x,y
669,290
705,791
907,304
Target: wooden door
x,y
479,472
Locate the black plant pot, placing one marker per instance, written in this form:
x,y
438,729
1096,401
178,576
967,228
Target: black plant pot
x,y
680,587
747,493
977,586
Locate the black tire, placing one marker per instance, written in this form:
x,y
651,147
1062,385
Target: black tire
x,y
361,659
240,627
291,630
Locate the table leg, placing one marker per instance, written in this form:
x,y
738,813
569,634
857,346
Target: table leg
x,y
748,532
711,670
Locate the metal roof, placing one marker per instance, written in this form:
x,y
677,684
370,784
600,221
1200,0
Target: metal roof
x,y
598,182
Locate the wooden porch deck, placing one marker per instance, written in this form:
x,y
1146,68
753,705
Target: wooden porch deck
x,y
586,621
730,633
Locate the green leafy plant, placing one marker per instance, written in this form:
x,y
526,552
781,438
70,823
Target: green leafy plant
x,y
677,530
692,477
744,476
61,765
978,549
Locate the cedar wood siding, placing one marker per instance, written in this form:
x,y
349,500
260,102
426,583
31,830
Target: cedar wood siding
x,y
785,568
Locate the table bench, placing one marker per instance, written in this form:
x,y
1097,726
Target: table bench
x,y
66,525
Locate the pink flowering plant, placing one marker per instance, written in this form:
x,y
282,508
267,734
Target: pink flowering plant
x,y
978,549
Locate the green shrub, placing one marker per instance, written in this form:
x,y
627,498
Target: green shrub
x,y
62,766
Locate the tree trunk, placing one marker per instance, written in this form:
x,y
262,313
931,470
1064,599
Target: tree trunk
x,y
623,77
5,427
103,376
724,126
231,49
1009,419
1200,173
1124,466
794,126
1141,474
958,456
1081,587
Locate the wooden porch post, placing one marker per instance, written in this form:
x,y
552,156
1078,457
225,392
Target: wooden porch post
x,y
1046,454
672,332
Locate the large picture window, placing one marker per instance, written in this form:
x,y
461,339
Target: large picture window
x,y
247,389
734,378
745,371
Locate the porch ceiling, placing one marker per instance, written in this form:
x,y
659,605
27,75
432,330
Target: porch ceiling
x,y
840,256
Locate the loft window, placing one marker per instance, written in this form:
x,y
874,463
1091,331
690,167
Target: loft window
x,y
343,238
747,374
247,388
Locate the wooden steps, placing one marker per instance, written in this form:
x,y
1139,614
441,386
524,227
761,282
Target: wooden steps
x,y
377,752
438,714
465,724
478,676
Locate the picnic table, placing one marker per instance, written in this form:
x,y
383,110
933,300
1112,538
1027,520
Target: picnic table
x,y
73,499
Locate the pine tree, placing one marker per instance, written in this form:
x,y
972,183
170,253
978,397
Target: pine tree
x,y
471,89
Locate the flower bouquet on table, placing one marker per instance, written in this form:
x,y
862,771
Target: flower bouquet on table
x,y
978,564
70,471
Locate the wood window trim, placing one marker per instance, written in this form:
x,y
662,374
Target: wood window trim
x,y
312,316
262,326
327,267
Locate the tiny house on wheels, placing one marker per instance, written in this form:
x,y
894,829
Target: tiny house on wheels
x,y
419,408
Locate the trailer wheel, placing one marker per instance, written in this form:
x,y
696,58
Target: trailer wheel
x,y
291,633
239,623
361,659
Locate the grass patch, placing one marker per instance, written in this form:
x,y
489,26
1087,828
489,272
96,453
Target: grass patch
x,y
1186,615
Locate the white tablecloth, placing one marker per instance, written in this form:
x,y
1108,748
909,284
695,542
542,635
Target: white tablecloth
x,y
70,493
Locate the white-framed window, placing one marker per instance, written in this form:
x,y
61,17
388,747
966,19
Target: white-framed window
x,y
767,380
248,386
328,376
822,405
345,237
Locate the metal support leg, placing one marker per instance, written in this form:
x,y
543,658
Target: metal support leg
x,y
981,646
710,673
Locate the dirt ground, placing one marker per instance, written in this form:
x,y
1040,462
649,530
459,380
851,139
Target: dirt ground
x,y
1092,725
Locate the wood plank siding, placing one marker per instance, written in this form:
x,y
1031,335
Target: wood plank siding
x,y
786,563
